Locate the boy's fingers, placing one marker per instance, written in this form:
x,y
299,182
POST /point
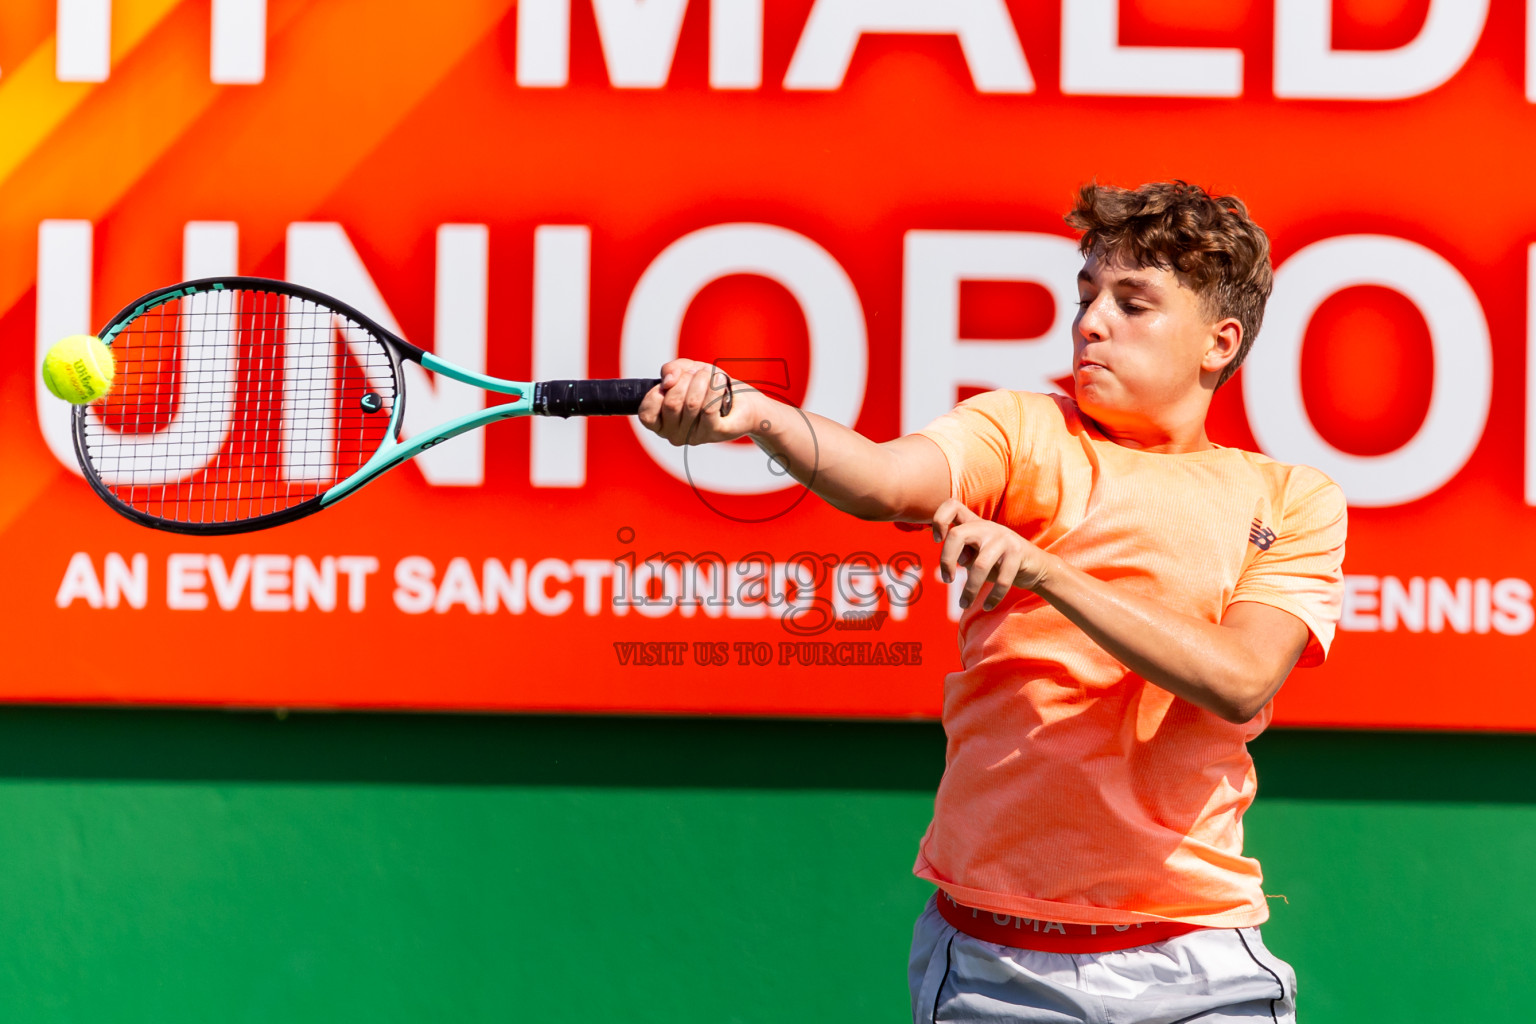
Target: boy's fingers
x,y
1007,572
982,563
648,405
949,554
945,518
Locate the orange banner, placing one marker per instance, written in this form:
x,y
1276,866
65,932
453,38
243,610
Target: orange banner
x,y
858,203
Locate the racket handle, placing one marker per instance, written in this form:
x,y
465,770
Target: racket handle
x,y
590,397
599,397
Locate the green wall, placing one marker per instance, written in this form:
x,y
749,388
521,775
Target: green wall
x,y
197,866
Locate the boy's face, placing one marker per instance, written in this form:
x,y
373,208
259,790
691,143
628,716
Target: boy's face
x,y
1142,344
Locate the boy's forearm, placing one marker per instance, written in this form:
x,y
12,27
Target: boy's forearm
x,y
845,468
1206,663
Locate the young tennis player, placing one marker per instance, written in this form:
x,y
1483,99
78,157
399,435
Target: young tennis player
x,y
1134,598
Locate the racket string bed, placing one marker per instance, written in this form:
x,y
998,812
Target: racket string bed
x,y
244,402
236,404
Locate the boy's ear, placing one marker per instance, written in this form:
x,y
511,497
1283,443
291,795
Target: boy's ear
x,y
1226,340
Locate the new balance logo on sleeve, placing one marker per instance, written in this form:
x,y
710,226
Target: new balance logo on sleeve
x,y
1260,536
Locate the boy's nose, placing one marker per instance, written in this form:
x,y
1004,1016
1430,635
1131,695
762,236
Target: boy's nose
x,y
1090,324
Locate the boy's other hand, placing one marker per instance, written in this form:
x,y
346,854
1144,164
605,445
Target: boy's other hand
x,y
990,553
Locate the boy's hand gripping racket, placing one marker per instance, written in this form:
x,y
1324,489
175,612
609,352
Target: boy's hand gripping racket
x,y
242,403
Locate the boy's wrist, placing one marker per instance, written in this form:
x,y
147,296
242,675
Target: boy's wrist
x,y
1048,575
766,425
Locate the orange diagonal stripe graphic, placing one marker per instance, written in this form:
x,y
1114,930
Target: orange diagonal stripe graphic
x,y
33,103
206,144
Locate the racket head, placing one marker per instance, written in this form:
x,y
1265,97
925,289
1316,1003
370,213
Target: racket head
x,y
238,403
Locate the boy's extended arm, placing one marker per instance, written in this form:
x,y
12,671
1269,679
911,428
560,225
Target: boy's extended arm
x,y
905,479
1231,668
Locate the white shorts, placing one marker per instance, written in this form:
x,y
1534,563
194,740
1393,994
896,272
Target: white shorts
x,y
1210,976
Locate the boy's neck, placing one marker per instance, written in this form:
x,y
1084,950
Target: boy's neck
x,y
1176,435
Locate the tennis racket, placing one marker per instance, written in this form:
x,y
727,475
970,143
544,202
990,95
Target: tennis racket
x,y
242,403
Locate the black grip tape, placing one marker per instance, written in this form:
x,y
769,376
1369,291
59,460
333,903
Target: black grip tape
x,y
622,397
590,397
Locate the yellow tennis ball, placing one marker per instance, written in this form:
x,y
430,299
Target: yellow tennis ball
x,y
79,369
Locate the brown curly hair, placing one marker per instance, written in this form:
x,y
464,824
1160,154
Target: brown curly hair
x,y
1209,240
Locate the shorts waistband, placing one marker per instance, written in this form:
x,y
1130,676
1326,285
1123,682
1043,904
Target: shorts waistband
x,y
1054,936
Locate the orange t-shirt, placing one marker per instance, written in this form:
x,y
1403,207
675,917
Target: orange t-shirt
x,y
1073,789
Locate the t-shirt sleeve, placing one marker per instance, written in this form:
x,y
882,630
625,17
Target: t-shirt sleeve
x,y
980,439
1301,572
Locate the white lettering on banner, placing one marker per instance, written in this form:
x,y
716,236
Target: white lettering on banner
x,y
1513,614
415,592
1530,49
185,577
862,588
544,602
322,257
1307,66
772,585
592,572
1448,606
834,320
237,51
1463,367
460,311
753,589
639,39
1482,605
197,430
903,586
654,589
83,41
562,262
459,587
856,586
954,590
228,582
506,585
1530,362
210,248
80,581
1093,63
778,588
736,44
705,586
1470,606
543,43
357,569
121,581
272,583
63,308
314,584
1360,604
1402,604
238,54
935,359
984,28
